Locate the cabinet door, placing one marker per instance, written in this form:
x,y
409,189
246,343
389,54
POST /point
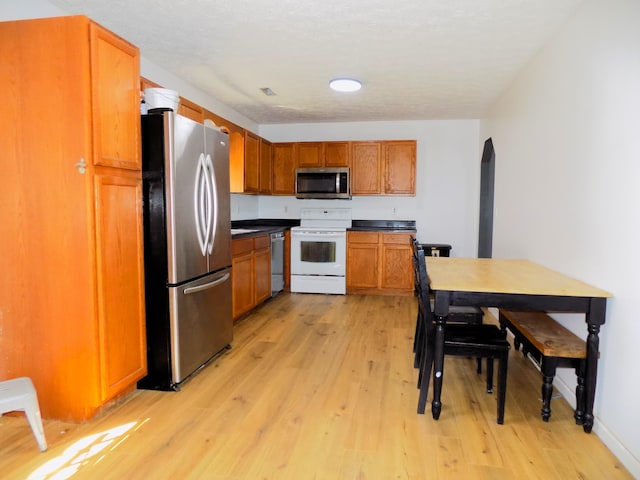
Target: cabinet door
x,y
399,168
397,267
365,168
251,163
362,266
266,165
115,96
337,154
242,284
283,169
309,154
363,256
262,267
191,110
120,280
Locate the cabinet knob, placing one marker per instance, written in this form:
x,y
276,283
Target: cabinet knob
x,y
81,166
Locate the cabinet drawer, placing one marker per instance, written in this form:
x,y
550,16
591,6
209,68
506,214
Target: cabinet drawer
x,y
397,238
363,237
241,246
262,242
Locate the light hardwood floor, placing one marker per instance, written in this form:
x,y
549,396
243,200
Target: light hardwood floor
x,y
318,387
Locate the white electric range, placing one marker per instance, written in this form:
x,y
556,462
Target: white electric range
x,y
319,251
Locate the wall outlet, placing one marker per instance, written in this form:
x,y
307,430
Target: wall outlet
x,y
393,211
286,209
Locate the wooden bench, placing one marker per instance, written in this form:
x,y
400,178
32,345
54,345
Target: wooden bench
x,y
551,346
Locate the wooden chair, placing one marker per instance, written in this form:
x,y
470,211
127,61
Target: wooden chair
x,y
469,340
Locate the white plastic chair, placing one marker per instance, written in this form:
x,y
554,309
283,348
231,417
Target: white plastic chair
x,y
20,394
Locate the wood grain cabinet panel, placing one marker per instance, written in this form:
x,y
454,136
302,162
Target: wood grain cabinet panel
x,y
309,154
399,168
366,162
251,163
266,167
379,263
191,110
73,309
283,169
251,273
383,168
337,154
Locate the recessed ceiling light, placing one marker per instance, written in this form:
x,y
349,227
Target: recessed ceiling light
x,y
345,84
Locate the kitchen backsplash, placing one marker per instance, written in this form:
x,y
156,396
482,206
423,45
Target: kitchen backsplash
x,y
246,207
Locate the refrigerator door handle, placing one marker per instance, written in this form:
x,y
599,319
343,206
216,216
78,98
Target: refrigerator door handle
x,y
201,202
206,286
214,203
208,192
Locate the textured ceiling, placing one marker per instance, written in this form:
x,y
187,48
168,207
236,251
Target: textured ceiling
x,y
417,59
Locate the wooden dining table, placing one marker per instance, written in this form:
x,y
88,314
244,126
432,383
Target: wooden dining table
x,y
513,284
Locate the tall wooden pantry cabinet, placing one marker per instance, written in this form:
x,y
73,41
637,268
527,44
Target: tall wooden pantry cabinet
x,y
72,296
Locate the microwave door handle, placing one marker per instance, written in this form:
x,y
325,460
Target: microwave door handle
x,y
337,183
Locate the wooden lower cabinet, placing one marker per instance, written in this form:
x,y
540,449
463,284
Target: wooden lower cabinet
x,y
379,263
251,273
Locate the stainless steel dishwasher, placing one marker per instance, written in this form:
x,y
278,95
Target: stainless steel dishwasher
x,y
277,263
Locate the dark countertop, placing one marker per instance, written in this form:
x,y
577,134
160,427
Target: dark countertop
x,y
391,226
262,226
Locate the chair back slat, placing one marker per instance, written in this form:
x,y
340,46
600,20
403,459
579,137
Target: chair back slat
x,y
422,287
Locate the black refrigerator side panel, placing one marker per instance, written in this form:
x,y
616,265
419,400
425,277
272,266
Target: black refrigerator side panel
x,y
155,256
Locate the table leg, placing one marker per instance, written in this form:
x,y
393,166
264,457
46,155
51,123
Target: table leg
x,y
593,342
595,317
438,367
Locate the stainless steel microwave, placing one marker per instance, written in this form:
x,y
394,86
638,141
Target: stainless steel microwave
x,y
323,183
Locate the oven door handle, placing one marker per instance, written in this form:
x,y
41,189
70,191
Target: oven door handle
x,y
319,235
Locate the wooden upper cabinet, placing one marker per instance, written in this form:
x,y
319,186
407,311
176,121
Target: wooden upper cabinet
x,y
266,167
115,66
322,154
383,168
366,162
283,169
251,163
191,110
337,154
309,154
399,168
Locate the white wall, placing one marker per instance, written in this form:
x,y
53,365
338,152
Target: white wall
x,y
447,178
18,10
567,169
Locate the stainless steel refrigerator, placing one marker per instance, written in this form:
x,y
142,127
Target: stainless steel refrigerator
x,y
187,233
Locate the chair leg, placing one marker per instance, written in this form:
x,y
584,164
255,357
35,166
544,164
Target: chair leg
x,y
489,375
32,411
479,365
418,342
425,373
502,385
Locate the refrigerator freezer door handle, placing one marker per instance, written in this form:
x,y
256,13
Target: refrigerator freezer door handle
x,y
206,286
